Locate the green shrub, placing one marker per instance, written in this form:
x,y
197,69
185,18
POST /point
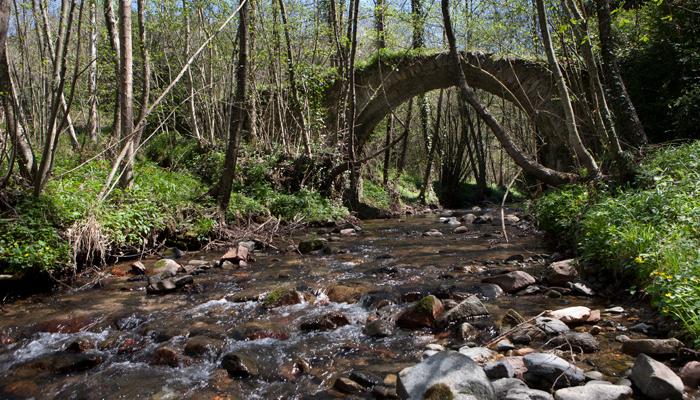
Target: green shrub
x,y
559,211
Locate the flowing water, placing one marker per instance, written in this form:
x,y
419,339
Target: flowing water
x,y
101,343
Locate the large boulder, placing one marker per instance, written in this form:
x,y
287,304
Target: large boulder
x,y
652,347
452,372
561,272
690,374
655,380
547,370
423,314
526,394
597,392
512,281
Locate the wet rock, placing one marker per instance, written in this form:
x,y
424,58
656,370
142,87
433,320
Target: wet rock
x,y
137,268
309,245
614,310
198,346
379,328
595,330
432,233
468,332
561,272
346,293
527,394
24,389
655,380
467,310
256,330
515,258
161,287
127,322
572,315
575,341
652,347
460,229
483,219
581,289
547,370
182,281
530,290
478,354
594,376
364,379
521,338
512,281
551,326
468,218
499,369
690,374
65,362
326,322
165,355
348,232
512,318
485,291
384,392
80,346
511,219
553,294
642,328
597,392
238,254
504,345
166,265
422,314
348,386
240,365
455,373
283,297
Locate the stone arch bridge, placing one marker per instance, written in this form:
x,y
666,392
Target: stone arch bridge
x,y
385,85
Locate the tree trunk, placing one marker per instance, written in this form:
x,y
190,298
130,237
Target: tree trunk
x,y
401,164
469,97
630,126
236,115
93,123
126,90
355,189
431,153
113,35
584,156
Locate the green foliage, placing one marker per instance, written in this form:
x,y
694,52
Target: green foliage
x,y
160,202
559,211
375,195
467,193
649,232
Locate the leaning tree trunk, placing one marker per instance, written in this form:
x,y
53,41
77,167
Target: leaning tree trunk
x,y
575,141
469,98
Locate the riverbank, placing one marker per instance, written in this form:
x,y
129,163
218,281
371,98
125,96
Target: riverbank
x,y
646,234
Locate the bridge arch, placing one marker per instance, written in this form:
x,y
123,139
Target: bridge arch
x,y
386,84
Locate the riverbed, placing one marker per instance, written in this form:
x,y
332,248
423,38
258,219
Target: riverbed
x,y
118,342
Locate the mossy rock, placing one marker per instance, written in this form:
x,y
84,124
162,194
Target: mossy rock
x,y
439,391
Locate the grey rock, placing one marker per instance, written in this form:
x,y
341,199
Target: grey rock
x,y
457,371
527,394
580,288
547,370
379,328
561,272
551,326
499,369
464,311
504,345
575,341
504,385
655,380
512,281
594,375
652,347
478,354
597,392
346,385
240,365
460,229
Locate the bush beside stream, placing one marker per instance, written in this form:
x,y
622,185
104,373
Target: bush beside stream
x,y
648,231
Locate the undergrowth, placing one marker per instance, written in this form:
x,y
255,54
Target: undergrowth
x,y
648,231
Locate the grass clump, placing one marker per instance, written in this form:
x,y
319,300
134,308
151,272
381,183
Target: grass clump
x,y
649,231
